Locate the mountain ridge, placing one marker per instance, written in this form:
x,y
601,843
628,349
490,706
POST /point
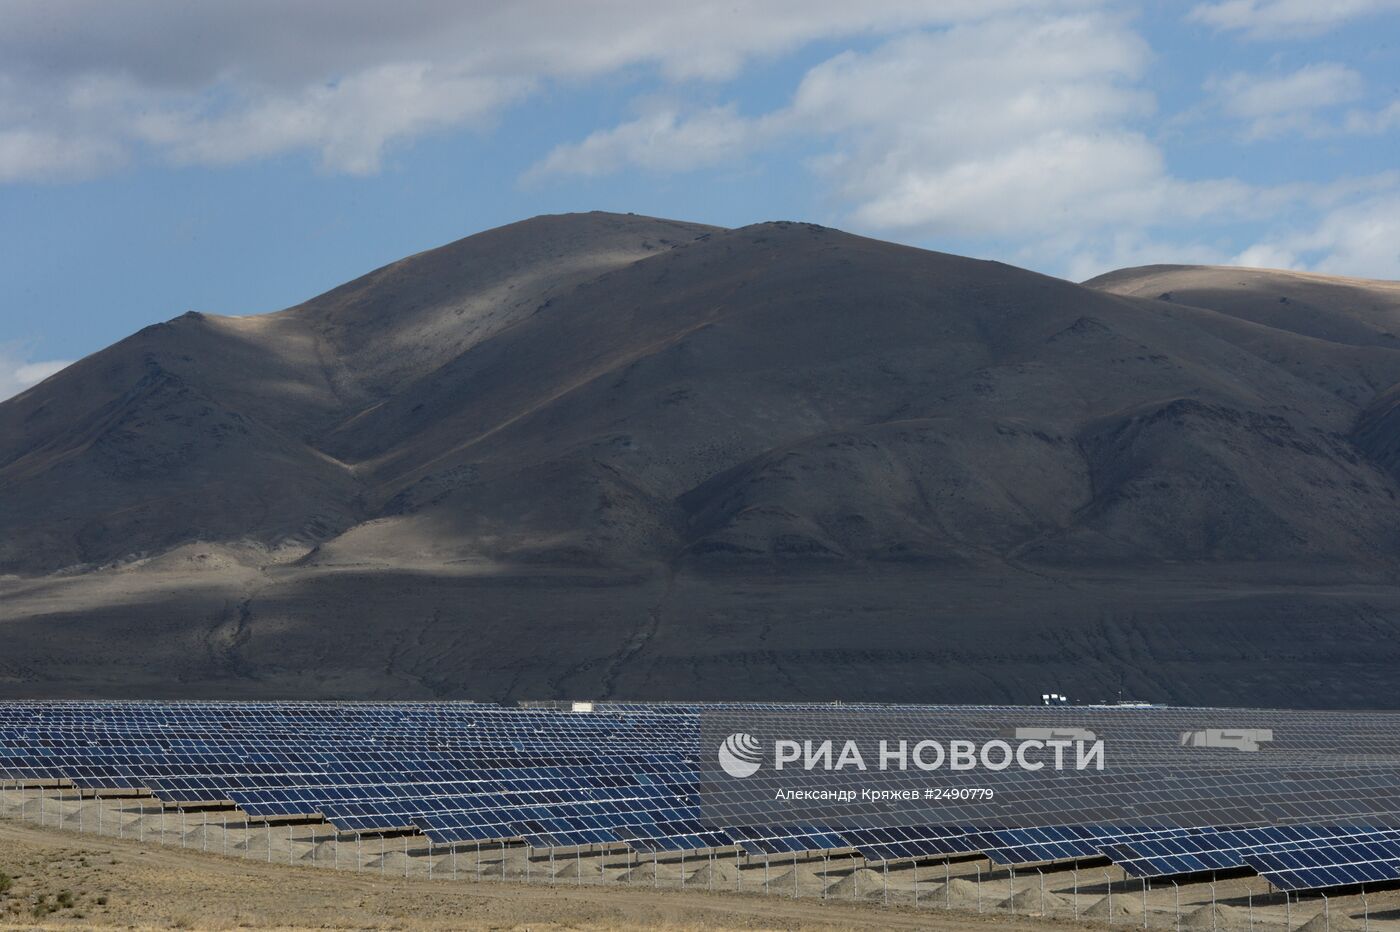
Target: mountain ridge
x,y
587,451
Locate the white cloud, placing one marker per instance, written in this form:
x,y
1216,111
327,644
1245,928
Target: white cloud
x,y
16,374
87,83
663,140
1306,101
1005,129
1014,127
1359,237
1310,87
1375,122
349,123
1276,19
1020,123
1265,256
1272,105
40,155
1022,132
978,87
1133,248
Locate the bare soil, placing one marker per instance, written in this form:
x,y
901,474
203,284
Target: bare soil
x,y
124,884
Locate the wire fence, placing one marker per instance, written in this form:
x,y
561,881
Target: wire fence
x,y
1100,895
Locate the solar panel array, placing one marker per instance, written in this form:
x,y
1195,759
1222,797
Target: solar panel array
x,y
1317,767
621,775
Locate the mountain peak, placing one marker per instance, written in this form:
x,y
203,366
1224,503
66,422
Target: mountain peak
x,y
684,457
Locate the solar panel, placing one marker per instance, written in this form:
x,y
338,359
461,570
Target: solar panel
x,y
769,840
913,842
1060,843
1343,861
627,775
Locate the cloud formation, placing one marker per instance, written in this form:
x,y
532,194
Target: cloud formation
x,y
1285,19
1273,105
16,374
1359,237
1017,127
664,140
87,84
1023,128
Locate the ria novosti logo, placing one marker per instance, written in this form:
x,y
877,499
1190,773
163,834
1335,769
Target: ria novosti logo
x,y
740,755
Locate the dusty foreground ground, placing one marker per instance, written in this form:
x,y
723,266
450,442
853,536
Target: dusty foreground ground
x,y
124,884
61,867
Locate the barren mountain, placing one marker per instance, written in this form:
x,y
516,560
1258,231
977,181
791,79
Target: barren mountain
x,y
603,455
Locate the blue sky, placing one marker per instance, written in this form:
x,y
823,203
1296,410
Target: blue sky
x,y
157,157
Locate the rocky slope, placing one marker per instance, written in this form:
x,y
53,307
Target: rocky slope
x,y
613,455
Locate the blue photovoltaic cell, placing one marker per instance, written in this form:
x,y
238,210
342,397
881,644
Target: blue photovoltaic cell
x,y
622,775
1059,843
1330,863
1202,850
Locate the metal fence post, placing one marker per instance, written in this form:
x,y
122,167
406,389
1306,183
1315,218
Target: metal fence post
x,y
1109,880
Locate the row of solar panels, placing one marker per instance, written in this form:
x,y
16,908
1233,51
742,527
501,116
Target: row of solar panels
x,y
623,775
